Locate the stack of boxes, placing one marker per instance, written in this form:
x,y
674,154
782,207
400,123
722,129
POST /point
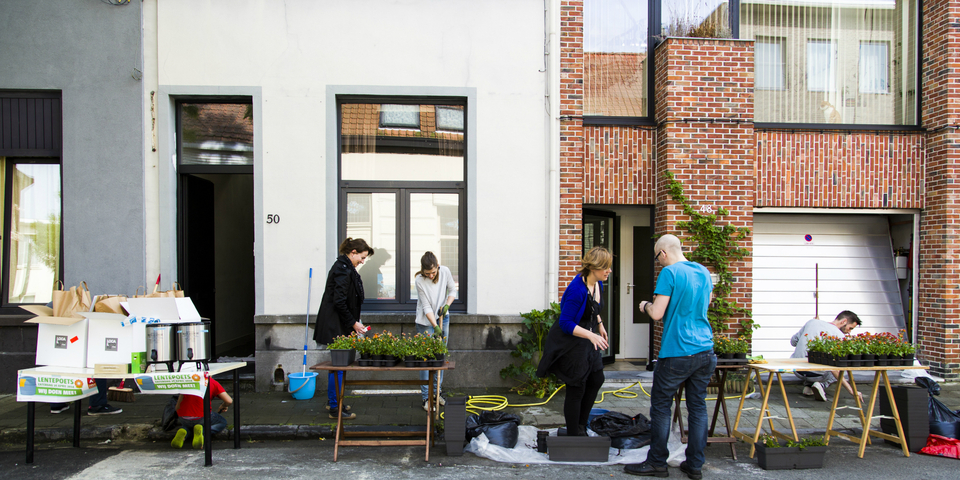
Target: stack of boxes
x,y
109,343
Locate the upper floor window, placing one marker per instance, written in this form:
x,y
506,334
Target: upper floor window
x,y
842,62
770,63
821,65
402,189
874,67
615,51
695,18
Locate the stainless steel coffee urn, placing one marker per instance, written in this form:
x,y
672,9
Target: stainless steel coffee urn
x,y
194,344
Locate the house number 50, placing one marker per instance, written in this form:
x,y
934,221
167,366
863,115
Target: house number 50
x,y
273,218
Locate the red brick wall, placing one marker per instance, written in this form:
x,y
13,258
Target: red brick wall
x,y
571,137
706,139
618,168
939,269
839,170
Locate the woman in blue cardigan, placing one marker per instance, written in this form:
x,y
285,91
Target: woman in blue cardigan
x,y
575,340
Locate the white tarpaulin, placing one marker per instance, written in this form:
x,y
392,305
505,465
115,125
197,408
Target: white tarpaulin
x,y
526,450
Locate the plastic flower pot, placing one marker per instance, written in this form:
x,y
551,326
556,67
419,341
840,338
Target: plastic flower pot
x,y
342,358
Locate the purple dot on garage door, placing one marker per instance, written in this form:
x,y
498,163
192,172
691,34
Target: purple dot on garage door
x,y
808,237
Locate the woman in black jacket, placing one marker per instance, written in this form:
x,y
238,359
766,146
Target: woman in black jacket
x,y
340,308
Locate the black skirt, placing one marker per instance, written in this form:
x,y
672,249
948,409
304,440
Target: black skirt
x,y
569,357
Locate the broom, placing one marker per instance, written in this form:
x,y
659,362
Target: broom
x,y
120,394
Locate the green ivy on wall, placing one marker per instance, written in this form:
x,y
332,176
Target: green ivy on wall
x,y
715,246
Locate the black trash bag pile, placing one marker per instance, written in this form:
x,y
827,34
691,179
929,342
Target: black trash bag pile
x,y
943,421
624,431
170,420
500,428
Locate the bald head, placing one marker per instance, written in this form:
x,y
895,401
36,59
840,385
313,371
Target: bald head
x,y
668,250
669,243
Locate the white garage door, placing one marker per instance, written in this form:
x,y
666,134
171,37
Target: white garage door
x,y
856,272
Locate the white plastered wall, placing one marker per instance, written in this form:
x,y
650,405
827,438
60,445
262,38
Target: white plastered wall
x,y
292,51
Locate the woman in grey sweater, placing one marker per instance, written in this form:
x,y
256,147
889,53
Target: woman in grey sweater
x,y
436,291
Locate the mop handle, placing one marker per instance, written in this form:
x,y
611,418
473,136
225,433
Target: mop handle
x,y
306,326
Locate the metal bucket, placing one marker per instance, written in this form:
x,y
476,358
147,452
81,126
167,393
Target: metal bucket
x,y
161,343
193,342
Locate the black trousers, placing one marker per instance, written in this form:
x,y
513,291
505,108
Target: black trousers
x,y
579,402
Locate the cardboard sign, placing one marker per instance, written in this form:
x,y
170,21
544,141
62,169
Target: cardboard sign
x,y
187,383
54,388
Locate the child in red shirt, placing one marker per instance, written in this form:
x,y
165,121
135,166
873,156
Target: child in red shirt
x,y
190,411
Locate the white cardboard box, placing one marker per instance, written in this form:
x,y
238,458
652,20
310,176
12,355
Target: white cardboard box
x,y
111,338
61,341
163,309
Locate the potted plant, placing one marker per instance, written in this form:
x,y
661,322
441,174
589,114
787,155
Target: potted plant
x,y
341,350
721,347
438,350
740,347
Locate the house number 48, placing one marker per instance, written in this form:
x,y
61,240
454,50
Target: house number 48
x,y
273,218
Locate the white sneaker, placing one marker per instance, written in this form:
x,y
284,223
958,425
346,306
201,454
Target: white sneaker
x,y
426,406
818,392
807,391
441,401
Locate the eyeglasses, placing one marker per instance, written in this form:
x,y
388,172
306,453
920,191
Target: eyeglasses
x,y
657,256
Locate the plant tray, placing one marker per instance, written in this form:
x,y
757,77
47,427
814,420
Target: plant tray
x,y
579,449
788,458
365,362
731,361
385,363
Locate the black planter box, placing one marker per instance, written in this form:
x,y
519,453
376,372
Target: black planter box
x,y
788,458
579,449
455,425
912,404
342,358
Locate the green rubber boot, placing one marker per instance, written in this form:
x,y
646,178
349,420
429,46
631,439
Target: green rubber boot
x,y
198,436
177,441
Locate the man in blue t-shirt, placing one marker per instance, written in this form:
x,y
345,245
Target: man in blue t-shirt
x,y
683,293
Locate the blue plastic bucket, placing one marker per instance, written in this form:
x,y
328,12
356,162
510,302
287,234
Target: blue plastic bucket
x,y
303,385
595,412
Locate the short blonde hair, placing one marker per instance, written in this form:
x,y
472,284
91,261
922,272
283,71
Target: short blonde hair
x,y
598,258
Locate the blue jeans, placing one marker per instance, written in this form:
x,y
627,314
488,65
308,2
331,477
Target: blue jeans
x,y
217,424
693,372
424,374
331,389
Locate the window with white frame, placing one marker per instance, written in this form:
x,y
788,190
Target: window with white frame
x,y
874,67
770,64
821,65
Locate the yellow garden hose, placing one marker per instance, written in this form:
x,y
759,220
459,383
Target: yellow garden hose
x,y
477,403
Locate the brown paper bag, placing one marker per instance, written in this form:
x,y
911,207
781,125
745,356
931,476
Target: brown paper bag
x,y
67,302
109,304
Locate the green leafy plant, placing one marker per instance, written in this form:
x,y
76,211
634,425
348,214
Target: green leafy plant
x,y
770,441
812,442
717,246
536,325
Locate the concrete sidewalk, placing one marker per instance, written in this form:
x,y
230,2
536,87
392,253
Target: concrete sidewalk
x,y
276,415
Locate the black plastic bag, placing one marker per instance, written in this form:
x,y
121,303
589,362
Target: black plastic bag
x,y
624,432
501,429
933,388
170,419
943,421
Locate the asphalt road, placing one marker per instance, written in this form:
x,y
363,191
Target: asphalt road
x,y
309,459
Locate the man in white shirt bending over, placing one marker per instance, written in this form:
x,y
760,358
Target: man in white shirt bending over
x,y
816,383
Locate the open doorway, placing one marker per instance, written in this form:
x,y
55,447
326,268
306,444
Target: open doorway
x,y
627,231
216,256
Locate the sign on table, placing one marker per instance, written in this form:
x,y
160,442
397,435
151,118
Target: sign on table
x,y
187,383
54,388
